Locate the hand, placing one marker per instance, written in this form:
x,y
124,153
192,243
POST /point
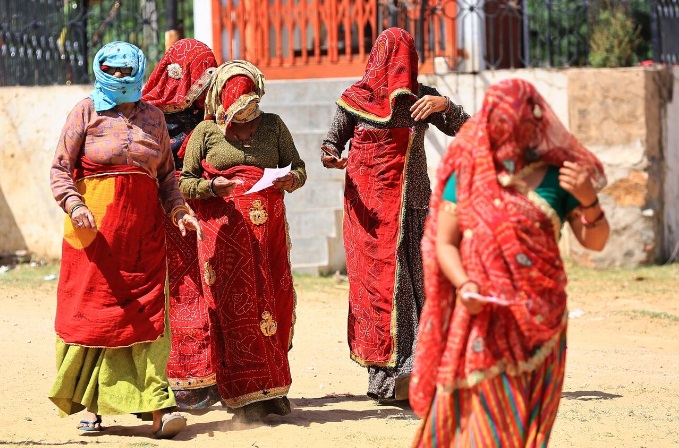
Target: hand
x,y
223,186
329,161
286,182
427,105
473,306
576,180
186,221
82,218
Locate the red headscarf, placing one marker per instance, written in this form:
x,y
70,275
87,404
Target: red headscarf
x,y
391,71
181,76
508,248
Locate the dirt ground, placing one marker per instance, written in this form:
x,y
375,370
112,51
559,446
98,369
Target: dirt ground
x,y
621,390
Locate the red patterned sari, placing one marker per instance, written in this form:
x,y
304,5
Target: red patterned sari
x,y
178,80
495,378
245,265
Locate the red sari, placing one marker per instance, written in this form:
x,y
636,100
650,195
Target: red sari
x,y
374,197
245,264
495,378
110,291
180,77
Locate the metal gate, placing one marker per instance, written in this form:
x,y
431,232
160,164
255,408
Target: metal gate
x,y
48,42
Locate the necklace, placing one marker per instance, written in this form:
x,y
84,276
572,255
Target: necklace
x,y
123,116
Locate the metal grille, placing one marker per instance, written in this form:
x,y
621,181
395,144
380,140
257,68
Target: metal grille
x,y
47,42
665,21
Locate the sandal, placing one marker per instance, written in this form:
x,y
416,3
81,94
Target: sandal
x,y
170,426
91,425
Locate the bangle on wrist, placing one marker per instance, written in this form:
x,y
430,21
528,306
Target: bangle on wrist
x,y
211,187
465,282
592,205
449,105
589,224
75,207
175,211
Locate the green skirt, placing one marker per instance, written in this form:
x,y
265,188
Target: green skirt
x,y
113,381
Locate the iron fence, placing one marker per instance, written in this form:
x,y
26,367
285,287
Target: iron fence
x,y
48,42
665,24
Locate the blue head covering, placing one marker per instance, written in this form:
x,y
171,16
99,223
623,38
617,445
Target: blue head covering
x,y
110,91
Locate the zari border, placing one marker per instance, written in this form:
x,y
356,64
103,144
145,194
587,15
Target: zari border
x,y
371,117
547,209
288,242
192,383
521,367
254,397
394,310
194,92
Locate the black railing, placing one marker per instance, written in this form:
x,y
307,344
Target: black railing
x,y
665,30
48,42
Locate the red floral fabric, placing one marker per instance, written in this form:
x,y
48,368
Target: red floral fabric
x,y
248,282
181,75
234,88
508,248
391,71
373,213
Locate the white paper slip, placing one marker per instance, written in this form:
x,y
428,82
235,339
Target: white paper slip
x,y
270,175
488,299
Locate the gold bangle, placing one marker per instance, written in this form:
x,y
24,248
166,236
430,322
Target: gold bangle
x,y
74,206
175,211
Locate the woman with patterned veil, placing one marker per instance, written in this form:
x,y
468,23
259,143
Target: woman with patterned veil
x,y
489,365
113,175
177,86
385,116
245,258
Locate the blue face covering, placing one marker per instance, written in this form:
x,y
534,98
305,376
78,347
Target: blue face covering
x,y
110,91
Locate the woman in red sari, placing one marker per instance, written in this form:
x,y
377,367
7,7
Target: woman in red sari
x,y
245,258
177,86
113,175
385,115
489,368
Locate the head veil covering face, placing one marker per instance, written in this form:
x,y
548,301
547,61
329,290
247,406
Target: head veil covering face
x,y
234,93
508,246
110,91
391,71
182,74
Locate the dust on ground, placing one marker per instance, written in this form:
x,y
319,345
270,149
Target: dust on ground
x,y
621,388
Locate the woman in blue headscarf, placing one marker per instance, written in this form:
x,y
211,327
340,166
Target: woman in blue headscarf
x,y
112,165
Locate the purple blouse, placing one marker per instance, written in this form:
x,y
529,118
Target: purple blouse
x,y
107,138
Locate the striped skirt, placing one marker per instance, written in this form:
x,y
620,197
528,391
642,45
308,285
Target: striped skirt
x,y
505,411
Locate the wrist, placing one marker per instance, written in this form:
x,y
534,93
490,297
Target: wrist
x,y
75,207
590,204
178,213
211,187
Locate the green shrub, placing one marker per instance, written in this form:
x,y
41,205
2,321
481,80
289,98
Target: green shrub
x,y
615,38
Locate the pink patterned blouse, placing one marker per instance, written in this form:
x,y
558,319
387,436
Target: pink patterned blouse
x,y
107,138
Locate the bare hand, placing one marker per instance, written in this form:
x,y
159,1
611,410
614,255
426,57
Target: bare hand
x,y
186,221
427,105
576,180
223,186
473,306
82,218
286,182
331,161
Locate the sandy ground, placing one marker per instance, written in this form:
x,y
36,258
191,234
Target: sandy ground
x,y
622,386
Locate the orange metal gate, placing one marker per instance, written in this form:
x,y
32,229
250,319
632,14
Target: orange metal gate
x,y
294,39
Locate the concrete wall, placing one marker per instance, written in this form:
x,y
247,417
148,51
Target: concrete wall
x,y
30,123
628,117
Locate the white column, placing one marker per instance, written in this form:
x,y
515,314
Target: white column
x,y
202,21
471,35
